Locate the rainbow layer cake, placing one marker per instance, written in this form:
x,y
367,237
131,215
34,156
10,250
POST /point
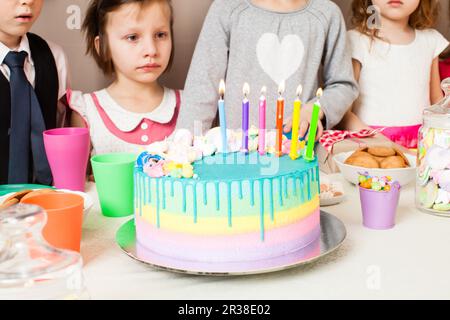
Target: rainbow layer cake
x,y
198,204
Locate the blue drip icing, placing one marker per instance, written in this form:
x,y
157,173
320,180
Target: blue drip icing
x,y
280,191
157,204
302,187
252,192
205,194
149,195
184,197
216,185
145,190
150,192
140,195
308,185
194,187
229,204
139,189
241,196
286,187
318,180
164,194
272,216
135,193
148,186
294,182
136,182
261,208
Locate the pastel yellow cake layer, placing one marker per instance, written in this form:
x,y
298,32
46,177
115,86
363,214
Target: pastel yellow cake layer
x,y
219,225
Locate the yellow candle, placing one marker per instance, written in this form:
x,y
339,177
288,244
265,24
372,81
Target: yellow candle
x,y
295,124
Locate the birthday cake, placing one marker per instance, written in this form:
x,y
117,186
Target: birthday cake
x,y
194,202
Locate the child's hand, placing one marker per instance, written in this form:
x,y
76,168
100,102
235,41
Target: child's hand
x,y
305,118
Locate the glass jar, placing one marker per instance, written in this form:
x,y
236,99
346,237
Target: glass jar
x,y
433,158
29,267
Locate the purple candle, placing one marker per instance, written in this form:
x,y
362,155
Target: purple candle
x,y
245,117
262,122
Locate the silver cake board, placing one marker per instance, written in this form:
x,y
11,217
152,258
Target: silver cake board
x,y
332,235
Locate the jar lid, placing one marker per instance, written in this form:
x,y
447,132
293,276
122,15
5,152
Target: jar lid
x,y
438,115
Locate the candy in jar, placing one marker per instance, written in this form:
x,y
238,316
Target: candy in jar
x,y
433,158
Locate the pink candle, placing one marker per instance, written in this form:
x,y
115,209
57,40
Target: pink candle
x,y
245,117
262,122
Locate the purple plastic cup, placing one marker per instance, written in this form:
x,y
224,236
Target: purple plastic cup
x,y
67,152
379,207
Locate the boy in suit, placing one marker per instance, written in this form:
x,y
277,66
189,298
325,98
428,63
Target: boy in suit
x,y
33,81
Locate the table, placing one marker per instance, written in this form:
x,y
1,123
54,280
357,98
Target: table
x,y
410,261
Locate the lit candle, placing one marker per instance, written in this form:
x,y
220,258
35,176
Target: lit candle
x,y
222,117
262,122
280,115
295,124
309,155
245,117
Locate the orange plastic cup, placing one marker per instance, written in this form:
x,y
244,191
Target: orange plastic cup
x,y
64,218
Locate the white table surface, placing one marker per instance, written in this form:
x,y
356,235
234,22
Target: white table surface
x,y
410,261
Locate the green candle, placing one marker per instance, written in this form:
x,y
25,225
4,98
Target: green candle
x,y
309,155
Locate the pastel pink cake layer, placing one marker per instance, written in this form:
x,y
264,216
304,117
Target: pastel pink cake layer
x,y
247,267
230,248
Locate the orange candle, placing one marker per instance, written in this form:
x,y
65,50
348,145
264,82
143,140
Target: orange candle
x,y
280,116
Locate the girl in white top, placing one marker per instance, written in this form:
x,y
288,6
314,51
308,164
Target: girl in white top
x,y
396,62
132,41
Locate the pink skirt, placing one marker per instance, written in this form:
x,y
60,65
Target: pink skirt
x,y
405,136
444,69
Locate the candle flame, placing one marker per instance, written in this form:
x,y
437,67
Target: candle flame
x,y
319,93
246,89
299,91
264,91
222,88
281,88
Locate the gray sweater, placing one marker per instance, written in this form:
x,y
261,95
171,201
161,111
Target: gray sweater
x,y
241,42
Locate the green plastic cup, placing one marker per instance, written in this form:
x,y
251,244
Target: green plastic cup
x,y
113,175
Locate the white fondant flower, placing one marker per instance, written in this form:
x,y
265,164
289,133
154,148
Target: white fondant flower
x,y
271,141
182,154
253,144
159,147
235,141
182,137
214,137
253,132
194,154
206,149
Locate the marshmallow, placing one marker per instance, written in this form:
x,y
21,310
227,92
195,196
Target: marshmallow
x,y
438,158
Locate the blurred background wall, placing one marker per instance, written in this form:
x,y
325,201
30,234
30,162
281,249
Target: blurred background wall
x,y
61,20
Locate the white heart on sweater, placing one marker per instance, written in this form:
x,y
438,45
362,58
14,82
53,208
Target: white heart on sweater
x,y
280,60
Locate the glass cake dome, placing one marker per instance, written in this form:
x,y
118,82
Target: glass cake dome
x,y
29,267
